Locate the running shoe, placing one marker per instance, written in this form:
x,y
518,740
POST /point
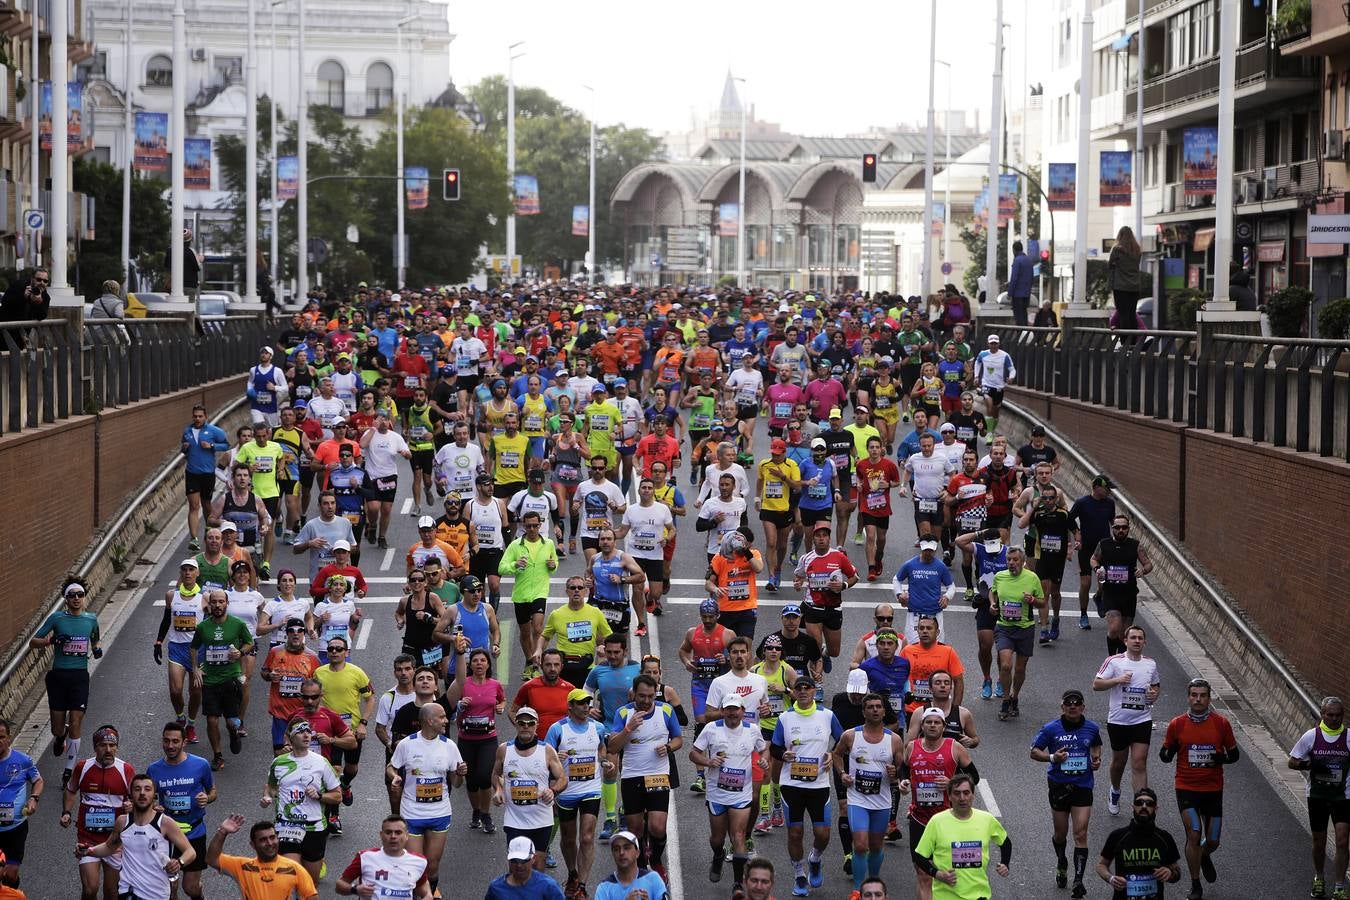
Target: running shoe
x,y
715,870
848,864
892,830
1079,889
335,825
762,826
416,510
1113,802
488,827
570,890
1083,622
970,597
772,584
1319,889
475,824
816,868
1014,710
1207,868
1340,893
58,745
792,558
1062,875
549,861
777,819
987,689
195,545
1054,629
236,742
640,631
658,609
348,799
699,785
608,829
265,572
799,888
651,605
858,539
382,544
217,763
998,690
191,735
1003,712
1045,636
828,661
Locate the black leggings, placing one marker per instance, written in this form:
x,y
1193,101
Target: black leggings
x,y
1126,305
481,757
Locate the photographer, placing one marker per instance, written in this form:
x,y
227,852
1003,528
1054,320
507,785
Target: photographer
x,y
27,300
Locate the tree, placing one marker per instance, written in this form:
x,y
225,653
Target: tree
x,y
976,244
445,237
100,259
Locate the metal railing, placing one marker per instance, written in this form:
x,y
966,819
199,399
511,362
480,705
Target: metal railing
x,y
49,371
1290,392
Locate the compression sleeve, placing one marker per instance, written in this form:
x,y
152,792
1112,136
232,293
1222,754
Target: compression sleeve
x,y
164,624
1005,851
681,716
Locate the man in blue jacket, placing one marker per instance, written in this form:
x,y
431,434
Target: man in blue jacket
x,y
1019,284
201,443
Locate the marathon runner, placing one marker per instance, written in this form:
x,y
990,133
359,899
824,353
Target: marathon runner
x,y
73,635
1322,752
1072,745
1132,679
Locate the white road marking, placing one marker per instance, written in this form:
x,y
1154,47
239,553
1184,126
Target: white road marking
x,y
389,561
363,634
673,863
987,795
407,506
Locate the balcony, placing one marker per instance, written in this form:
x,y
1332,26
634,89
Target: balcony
x,y
1108,111
352,104
1190,94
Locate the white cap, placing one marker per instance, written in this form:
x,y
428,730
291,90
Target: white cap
x,y
426,522
625,835
520,849
857,682
528,712
928,544
341,545
227,525
733,700
932,711
190,561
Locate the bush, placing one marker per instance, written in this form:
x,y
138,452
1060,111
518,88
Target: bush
x,y
1333,322
1182,307
1287,310
727,281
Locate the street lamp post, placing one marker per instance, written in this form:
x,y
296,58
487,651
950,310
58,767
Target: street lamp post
x,y
590,202
302,164
926,239
60,178
1139,133
1223,191
740,202
129,133
1080,211
178,124
400,248
995,158
512,56
947,172
251,159
273,264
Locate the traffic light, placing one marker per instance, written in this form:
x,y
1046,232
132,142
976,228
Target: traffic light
x,y
869,167
450,184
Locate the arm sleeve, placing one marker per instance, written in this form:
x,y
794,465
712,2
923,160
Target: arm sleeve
x,y
164,624
1005,851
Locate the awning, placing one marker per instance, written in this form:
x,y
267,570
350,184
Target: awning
x,y
1270,251
1202,239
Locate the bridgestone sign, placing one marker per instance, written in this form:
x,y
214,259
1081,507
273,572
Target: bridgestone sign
x,y
1329,229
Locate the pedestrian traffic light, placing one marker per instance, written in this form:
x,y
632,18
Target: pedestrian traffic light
x,y
450,184
869,167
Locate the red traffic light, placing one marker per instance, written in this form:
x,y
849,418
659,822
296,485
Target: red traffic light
x,y
869,168
869,160
450,184
452,176
1045,256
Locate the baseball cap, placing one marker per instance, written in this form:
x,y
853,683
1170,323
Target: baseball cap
x,y
520,849
778,445
993,544
537,475
928,544
804,680
1103,481
818,444
933,711
946,427
857,682
790,609
993,339
484,478
620,382
733,700
1038,431
624,835
300,404
1071,694
227,525
341,545
190,561
577,695
856,409
835,413
265,349
820,526
717,426
598,389
426,522
295,623
470,583
527,712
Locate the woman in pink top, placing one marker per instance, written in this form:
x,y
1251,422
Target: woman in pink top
x,y
779,399
477,700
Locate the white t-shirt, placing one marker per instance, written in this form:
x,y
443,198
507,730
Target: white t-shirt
x,y
278,611
734,509
458,466
751,688
631,412
326,412
546,504
427,766
467,353
713,475
1128,703
647,525
657,728
595,500
380,456
291,775
732,783
954,452
930,474
392,876
244,605
747,386
390,702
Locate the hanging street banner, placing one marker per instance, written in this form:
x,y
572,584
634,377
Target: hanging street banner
x,y
197,164
74,115
1115,184
581,221
1200,161
1061,193
417,186
939,215
288,177
152,142
527,195
1007,198
728,219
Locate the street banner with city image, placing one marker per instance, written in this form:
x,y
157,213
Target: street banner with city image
x,y
728,219
1008,187
152,142
1115,178
197,164
939,218
1200,161
417,186
581,221
1062,192
288,177
527,195
980,217
74,115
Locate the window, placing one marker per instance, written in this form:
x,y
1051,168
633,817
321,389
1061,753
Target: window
x,y
1065,42
1173,163
332,82
1241,156
1300,137
159,72
1333,110
1274,147
379,87
1202,30
229,69
98,67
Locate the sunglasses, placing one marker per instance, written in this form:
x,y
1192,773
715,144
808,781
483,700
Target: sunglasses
x,y
1143,801
337,649
884,618
308,697
1120,528
416,580
75,593
296,630
576,587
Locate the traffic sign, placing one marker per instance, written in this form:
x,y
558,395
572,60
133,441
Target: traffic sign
x,y
946,268
656,260
34,219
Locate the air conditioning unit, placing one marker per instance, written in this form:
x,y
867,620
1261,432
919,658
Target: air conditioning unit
x,y
199,54
1333,144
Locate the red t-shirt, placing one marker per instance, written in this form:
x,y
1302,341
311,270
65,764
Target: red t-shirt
x,y
653,449
874,491
409,366
101,790
819,568
550,701
1200,748
324,721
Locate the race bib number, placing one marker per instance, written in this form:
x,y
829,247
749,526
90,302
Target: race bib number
x,y
412,381
656,782
1011,609
534,422
75,646
820,581
775,702
290,685
290,832
782,410
1200,756
600,422
564,472
177,803
927,793
920,688
1141,885
612,616
967,854
805,768
1329,773
971,521
730,779
432,655
876,500
581,768
99,818
644,539
738,589
264,398
524,791
883,402
1132,697
354,518
264,464
1051,543
700,421
1074,764
218,654
184,622
1118,574
303,392
928,506
595,523
867,783
773,490
707,669
510,459
818,491
386,484
418,432
580,632
429,790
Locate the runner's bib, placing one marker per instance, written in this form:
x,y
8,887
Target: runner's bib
x,y
967,854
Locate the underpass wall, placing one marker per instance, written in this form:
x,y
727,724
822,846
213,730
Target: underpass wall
x,y
64,484
1261,523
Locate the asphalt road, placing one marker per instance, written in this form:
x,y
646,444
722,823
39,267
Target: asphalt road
x,y
1262,836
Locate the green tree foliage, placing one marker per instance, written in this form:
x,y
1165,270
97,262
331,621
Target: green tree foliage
x,y
976,244
553,144
101,258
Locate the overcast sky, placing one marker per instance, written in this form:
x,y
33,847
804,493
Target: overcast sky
x,y
814,68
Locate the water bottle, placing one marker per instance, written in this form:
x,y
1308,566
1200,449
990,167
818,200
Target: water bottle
x,y
164,861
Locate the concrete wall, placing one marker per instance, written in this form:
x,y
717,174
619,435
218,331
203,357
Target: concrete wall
x,y
1261,521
